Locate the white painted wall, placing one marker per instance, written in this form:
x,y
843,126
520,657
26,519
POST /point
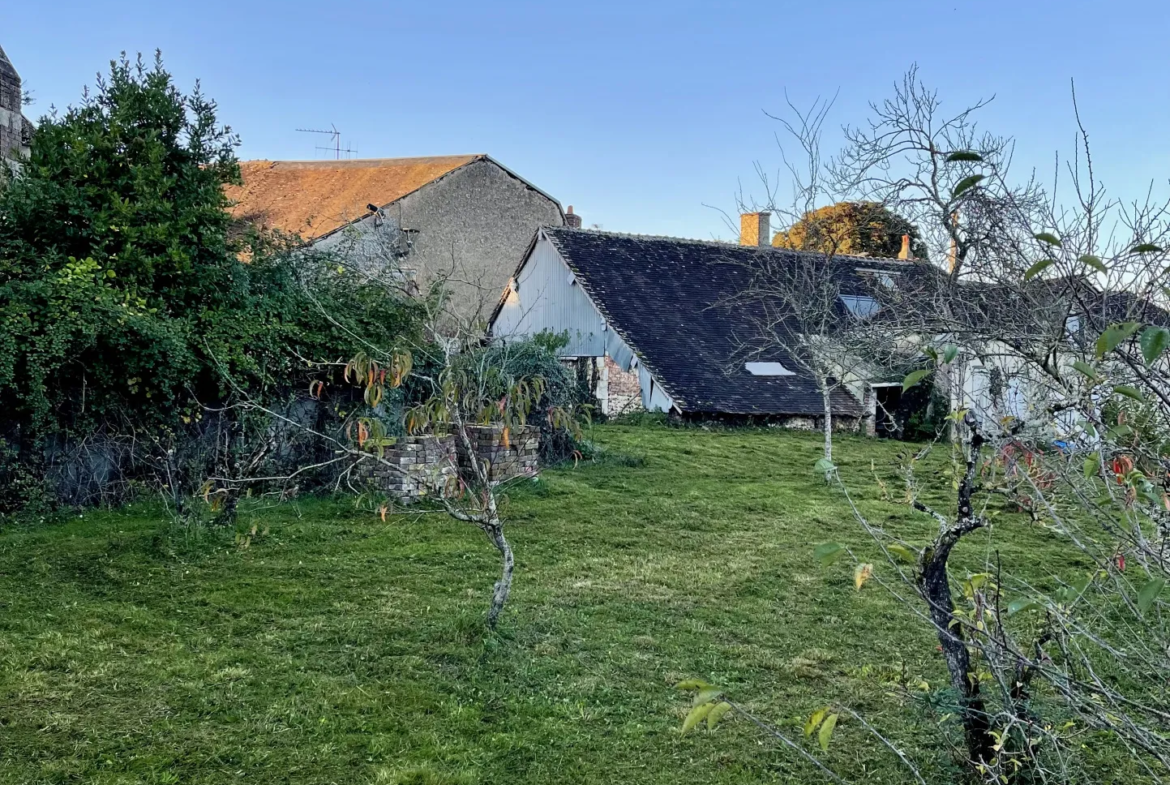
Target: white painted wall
x,y
546,296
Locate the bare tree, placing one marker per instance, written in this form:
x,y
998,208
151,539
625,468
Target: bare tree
x,y
1070,301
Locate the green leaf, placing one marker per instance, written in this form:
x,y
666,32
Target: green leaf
x,y
1154,342
1019,606
964,155
828,552
814,720
696,715
1038,268
1130,392
716,714
1149,593
692,684
1119,432
1051,239
706,695
966,184
824,466
914,377
1086,369
950,353
1091,465
903,553
1114,336
826,731
1146,248
1094,262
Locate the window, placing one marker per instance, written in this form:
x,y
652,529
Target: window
x,y
767,369
1072,324
883,277
860,306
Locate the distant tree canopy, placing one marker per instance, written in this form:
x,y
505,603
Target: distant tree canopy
x,y
856,228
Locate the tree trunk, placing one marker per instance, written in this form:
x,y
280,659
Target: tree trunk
x,y
934,586
936,590
504,585
826,396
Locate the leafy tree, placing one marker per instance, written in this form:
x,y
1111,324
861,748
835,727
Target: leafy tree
x,y
124,303
856,228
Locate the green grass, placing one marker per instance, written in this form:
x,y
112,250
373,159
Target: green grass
x,y
341,649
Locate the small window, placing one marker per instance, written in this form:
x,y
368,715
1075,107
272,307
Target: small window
x,y
767,369
1072,324
883,277
860,306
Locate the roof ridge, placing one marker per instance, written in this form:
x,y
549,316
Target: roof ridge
x,y
326,163
723,244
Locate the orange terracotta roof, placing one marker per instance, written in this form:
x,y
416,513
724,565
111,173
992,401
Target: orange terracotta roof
x,y
315,198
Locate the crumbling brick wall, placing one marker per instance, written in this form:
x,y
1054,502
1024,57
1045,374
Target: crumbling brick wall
x,y
519,458
419,467
623,389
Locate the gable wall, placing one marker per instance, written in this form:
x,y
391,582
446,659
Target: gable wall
x,y
548,299
471,228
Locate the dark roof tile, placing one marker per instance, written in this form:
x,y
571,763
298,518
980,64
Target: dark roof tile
x,y
668,299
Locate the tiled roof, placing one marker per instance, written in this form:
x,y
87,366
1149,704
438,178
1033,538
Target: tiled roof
x,y
667,298
315,198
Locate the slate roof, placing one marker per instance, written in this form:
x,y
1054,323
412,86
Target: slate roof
x,y
667,298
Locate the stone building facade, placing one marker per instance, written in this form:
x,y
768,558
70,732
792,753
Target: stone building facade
x,y
465,220
15,128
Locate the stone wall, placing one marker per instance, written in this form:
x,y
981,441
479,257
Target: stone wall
x,y
420,467
14,128
520,458
623,390
468,228
841,423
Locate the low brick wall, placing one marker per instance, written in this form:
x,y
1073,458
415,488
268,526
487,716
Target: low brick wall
x,y
423,467
520,458
420,467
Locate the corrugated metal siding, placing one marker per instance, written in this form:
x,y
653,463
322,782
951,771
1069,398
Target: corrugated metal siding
x,y
547,298
654,398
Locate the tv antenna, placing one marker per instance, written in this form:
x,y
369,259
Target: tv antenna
x,y
334,145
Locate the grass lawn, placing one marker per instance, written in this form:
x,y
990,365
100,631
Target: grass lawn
x,y
341,649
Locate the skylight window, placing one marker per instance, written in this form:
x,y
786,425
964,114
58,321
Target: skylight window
x,y
767,369
860,306
883,277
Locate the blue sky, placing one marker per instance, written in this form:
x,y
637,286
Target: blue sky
x,y
638,113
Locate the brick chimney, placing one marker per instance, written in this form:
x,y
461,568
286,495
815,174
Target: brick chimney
x,y
905,252
754,229
572,220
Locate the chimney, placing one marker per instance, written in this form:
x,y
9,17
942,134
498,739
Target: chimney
x,y
572,220
754,229
905,252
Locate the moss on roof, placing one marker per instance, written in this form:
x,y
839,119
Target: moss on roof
x,y
315,198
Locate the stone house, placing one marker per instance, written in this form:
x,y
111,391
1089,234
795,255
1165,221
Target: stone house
x,y
463,219
651,315
15,128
